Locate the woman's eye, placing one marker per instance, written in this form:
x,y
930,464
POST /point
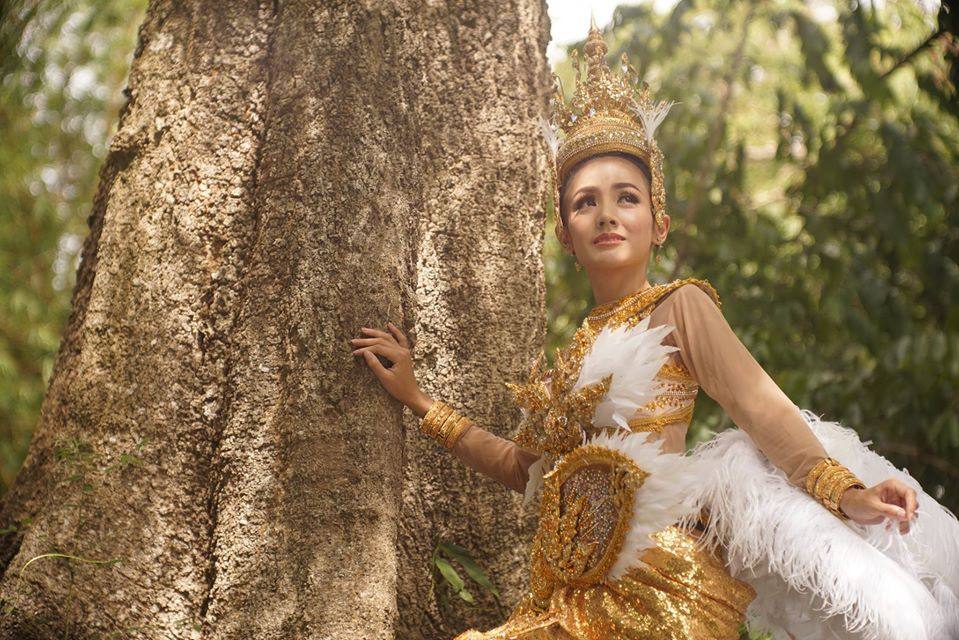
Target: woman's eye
x,y
631,197
582,202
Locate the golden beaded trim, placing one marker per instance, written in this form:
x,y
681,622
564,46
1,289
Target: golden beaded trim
x,y
632,308
828,481
658,423
444,424
637,299
676,371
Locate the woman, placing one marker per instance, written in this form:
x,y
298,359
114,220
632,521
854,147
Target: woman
x,y
667,585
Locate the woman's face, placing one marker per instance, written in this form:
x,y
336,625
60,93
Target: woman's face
x,y
609,195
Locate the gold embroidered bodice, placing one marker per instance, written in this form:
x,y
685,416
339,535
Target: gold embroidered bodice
x,y
553,426
673,405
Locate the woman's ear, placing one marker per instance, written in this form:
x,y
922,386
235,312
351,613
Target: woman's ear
x,y
660,234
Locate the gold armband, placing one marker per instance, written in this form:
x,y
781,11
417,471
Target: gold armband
x,y
828,481
444,424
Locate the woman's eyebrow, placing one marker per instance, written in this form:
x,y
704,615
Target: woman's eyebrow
x,y
618,185
582,190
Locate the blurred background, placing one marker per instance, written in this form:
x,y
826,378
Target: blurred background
x,y
812,172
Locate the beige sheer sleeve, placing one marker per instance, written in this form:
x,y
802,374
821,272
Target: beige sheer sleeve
x,y
727,371
498,458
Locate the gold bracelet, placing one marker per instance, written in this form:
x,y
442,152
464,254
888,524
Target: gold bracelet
x,y
444,427
456,432
830,486
852,483
847,481
444,424
437,412
828,481
812,477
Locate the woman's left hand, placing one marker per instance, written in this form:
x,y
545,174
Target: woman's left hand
x,y
398,378
889,499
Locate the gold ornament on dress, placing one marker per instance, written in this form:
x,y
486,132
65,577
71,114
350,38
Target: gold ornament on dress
x,y
607,112
556,419
556,416
630,308
585,514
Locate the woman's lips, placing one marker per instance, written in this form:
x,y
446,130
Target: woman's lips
x,y
608,240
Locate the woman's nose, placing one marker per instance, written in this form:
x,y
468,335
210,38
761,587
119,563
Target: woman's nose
x,y
605,215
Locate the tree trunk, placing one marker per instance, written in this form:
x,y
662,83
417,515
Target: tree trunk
x,y
209,455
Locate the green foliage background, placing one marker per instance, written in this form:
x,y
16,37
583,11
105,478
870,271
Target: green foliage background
x,y
812,175
63,67
812,171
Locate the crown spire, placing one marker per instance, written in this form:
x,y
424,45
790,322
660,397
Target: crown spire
x,y
595,51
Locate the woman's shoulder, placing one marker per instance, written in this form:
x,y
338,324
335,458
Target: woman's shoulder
x,y
689,291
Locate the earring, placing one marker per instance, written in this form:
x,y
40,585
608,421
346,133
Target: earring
x,y
656,253
576,263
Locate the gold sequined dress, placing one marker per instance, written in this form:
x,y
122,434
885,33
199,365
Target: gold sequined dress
x,y
679,590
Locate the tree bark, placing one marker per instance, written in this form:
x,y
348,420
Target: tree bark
x,y
209,455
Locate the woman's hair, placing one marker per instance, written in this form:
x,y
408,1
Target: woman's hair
x,y
639,162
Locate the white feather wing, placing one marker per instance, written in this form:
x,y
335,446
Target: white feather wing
x,y
633,355
816,576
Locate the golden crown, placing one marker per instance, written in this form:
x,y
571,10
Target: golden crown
x,y
607,112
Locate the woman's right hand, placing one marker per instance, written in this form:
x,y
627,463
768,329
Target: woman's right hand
x,y
397,379
891,499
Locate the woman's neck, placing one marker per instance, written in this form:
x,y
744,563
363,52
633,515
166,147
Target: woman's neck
x,y
609,287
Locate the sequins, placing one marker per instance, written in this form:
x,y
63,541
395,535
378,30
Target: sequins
x,y
674,404
555,419
680,592
586,512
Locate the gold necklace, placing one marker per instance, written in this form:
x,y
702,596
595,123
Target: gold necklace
x,y
636,299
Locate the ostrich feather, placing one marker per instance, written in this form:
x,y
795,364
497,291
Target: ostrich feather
x,y
633,355
653,116
817,576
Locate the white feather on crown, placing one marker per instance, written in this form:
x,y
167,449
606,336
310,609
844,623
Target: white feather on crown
x,y
652,116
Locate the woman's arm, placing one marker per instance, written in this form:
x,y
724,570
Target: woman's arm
x,y
498,458
726,370
495,457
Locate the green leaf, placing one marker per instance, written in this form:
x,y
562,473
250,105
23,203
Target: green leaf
x,y
466,595
473,570
450,574
68,557
454,549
